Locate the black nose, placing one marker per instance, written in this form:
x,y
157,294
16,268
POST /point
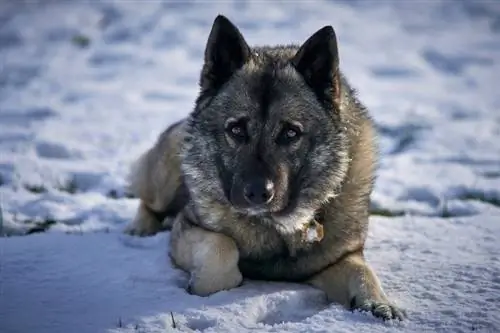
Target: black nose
x,y
259,192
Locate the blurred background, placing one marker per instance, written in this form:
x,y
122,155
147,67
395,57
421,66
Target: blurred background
x,y
85,86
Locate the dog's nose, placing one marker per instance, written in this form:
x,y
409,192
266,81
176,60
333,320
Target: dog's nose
x,y
259,192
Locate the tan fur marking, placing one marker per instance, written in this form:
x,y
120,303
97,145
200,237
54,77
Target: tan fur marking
x,y
352,283
145,222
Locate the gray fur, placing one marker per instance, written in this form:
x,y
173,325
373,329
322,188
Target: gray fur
x,y
326,174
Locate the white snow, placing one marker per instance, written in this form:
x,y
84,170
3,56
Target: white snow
x,y
73,118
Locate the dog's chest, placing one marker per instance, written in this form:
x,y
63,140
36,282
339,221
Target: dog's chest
x,y
257,240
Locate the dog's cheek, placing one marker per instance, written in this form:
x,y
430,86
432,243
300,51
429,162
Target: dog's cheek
x,y
300,156
225,174
282,183
303,167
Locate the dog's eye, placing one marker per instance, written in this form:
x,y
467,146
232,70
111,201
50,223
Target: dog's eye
x,y
291,133
288,135
237,131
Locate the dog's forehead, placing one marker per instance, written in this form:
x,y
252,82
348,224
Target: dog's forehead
x,y
267,89
272,90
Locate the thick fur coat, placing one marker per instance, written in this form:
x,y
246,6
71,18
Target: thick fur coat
x,y
270,176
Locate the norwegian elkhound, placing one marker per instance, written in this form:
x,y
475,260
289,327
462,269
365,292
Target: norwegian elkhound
x,y
270,176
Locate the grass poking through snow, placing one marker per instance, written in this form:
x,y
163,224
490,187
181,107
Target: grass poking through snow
x,y
174,325
81,41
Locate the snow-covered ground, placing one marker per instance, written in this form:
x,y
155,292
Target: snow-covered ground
x,y
85,87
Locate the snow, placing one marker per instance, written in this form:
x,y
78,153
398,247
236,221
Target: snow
x,y
74,116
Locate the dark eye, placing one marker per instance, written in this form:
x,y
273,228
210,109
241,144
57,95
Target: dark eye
x,y
237,130
289,134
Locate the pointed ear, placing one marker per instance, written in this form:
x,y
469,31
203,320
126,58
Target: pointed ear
x,y
317,60
226,51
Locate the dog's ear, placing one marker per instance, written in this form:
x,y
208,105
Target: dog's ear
x,y
317,60
226,51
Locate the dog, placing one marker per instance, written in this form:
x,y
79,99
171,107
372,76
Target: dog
x,y
269,177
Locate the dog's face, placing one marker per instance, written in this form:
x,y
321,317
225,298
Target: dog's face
x,y
266,134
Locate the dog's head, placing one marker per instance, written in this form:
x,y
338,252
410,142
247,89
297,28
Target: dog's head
x,y
265,133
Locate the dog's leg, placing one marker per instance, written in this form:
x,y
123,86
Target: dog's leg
x,y
352,283
155,178
145,222
210,258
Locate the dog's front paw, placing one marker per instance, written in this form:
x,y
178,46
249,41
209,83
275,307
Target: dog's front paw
x,y
380,309
201,284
